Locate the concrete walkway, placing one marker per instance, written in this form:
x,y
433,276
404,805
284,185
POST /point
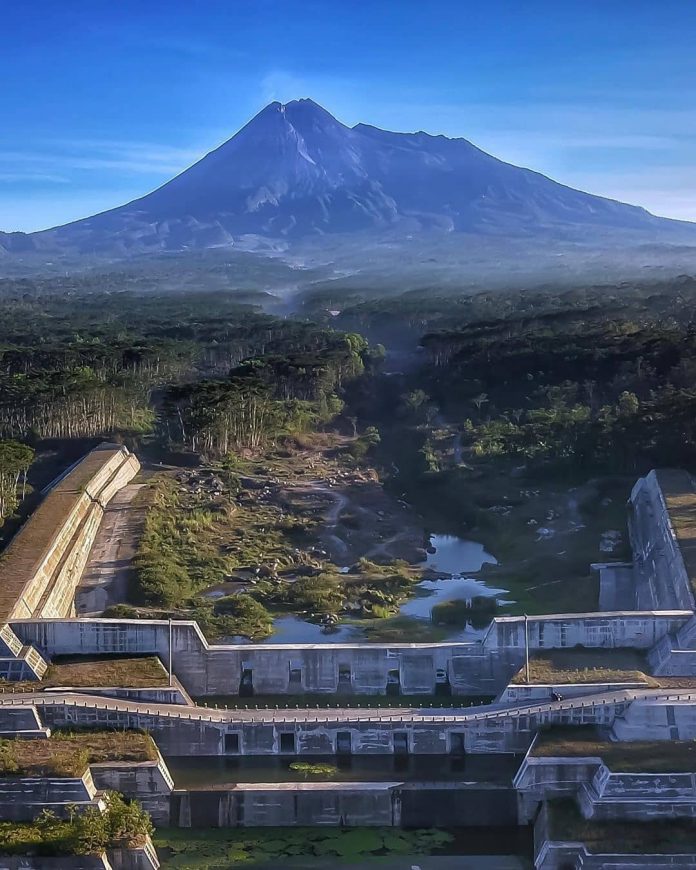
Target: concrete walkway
x,y
323,715
105,578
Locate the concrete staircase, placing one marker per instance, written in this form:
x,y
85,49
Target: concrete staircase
x,y
19,661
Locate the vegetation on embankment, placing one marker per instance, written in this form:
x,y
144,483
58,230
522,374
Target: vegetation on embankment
x,y
658,837
631,756
70,753
134,672
581,665
121,824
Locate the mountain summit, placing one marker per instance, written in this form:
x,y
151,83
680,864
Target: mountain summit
x,y
295,171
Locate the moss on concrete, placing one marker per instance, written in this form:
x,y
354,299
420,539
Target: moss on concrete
x,y
664,836
635,756
70,753
137,672
582,665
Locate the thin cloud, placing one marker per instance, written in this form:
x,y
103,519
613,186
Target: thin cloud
x,y
37,177
87,155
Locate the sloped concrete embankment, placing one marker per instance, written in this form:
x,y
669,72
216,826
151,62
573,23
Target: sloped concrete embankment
x,y
41,568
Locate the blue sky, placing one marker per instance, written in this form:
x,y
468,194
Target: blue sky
x,y
103,100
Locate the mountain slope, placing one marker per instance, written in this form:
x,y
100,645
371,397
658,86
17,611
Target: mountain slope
x,y
294,171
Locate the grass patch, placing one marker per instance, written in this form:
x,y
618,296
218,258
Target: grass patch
x,y
586,666
215,849
95,672
70,753
634,756
666,836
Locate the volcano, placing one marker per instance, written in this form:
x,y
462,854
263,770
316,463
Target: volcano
x,y
294,171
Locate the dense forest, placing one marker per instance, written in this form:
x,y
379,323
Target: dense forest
x,y
100,364
595,379
477,402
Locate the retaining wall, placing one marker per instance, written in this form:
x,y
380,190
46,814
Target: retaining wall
x,y
40,569
348,804
149,782
482,668
22,798
662,578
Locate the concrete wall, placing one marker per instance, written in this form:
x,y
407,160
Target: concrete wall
x,y
22,798
185,730
540,779
63,530
58,601
482,668
662,581
206,669
148,782
44,862
51,542
349,804
657,720
601,793
639,630
518,693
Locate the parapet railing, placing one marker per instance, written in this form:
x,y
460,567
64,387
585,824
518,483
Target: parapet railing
x,y
221,716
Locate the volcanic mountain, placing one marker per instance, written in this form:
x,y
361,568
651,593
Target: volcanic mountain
x,y
294,171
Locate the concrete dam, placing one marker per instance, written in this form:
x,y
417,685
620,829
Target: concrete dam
x,y
203,705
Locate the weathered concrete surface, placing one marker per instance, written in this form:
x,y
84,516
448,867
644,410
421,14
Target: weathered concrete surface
x,y
139,858
395,804
617,586
41,567
22,720
181,730
149,782
483,668
663,581
22,798
521,693
105,578
66,862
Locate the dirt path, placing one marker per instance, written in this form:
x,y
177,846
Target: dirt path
x,y
379,526
105,578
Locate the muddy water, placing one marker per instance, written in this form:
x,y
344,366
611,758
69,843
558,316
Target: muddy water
x,y
438,591
292,629
454,557
457,556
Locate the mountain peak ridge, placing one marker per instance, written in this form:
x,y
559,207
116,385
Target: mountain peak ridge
x,y
294,170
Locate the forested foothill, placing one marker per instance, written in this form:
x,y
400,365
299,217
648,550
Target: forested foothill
x,y
531,413
293,466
